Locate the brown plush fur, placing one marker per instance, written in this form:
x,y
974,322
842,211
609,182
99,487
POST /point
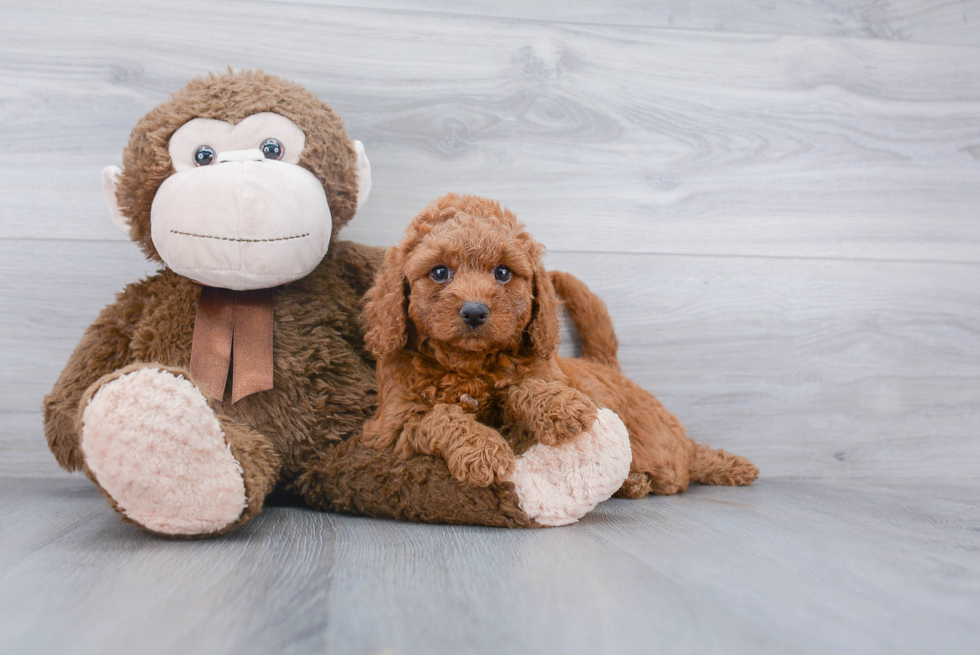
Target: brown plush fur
x,y
324,380
448,389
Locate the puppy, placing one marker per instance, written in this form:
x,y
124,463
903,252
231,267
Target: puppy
x,y
463,320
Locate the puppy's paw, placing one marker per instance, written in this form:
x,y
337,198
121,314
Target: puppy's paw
x,y
484,457
569,413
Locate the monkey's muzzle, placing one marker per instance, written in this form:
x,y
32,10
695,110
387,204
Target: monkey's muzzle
x,y
245,222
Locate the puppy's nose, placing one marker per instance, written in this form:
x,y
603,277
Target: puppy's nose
x,y
474,314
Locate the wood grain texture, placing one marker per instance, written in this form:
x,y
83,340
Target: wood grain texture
x,y
813,368
611,138
809,367
50,292
75,580
785,566
23,450
785,227
934,21
778,201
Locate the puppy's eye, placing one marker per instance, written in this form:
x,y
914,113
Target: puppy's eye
x,y
440,273
502,274
272,149
204,156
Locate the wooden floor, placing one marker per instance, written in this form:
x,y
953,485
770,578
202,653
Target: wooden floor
x,y
787,566
780,202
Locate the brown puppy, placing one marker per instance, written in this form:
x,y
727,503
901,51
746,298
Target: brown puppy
x,y
463,320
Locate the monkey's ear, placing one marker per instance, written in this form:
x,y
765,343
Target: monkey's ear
x,y
110,180
363,174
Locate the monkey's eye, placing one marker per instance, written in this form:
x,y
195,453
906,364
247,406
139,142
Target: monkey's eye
x,y
272,149
502,274
204,156
440,273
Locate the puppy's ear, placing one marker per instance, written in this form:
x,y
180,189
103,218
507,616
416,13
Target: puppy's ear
x,y
544,330
384,308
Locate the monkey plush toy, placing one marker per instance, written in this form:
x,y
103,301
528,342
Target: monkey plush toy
x,y
240,367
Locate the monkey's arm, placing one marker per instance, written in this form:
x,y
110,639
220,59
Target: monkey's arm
x,y
104,347
356,479
543,404
549,486
353,477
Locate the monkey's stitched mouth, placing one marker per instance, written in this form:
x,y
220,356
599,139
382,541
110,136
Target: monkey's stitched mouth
x,y
208,236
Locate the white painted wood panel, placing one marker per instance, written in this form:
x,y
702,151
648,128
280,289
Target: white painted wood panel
x,y
935,21
23,451
51,291
813,368
611,138
810,367
785,227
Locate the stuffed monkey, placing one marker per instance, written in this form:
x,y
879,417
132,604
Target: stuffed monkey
x,y
240,367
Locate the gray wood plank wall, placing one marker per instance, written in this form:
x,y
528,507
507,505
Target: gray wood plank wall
x,y
779,202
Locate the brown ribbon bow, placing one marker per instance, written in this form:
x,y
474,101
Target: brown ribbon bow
x,y
233,324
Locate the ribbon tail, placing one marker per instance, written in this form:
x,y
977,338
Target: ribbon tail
x,y
252,352
214,327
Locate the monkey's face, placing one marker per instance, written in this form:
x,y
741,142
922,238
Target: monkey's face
x,y
238,181
240,212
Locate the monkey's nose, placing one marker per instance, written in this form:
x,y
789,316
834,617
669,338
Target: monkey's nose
x,y
241,155
474,314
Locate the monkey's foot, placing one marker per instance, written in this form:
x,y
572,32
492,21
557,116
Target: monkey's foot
x,y
157,450
558,485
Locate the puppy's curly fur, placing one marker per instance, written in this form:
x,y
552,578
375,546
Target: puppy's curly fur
x,y
471,388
